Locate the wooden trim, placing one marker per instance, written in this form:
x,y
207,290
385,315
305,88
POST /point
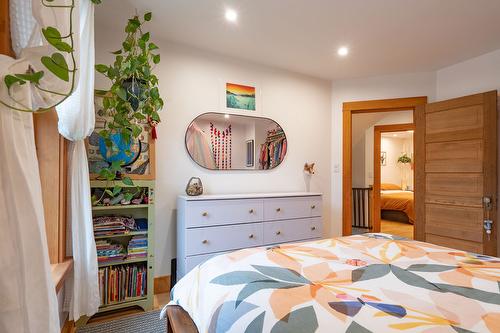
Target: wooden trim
x,y
347,174
377,132
350,108
179,321
60,272
419,184
161,284
490,186
5,41
384,105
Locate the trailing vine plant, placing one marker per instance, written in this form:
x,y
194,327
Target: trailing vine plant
x,y
405,159
133,99
55,63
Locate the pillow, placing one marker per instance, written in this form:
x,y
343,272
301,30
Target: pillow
x,y
386,187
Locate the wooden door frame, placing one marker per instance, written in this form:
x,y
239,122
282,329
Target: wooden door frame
x,y
348,109
377,177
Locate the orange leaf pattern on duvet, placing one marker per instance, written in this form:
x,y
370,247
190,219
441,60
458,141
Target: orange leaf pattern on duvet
x,y
371,282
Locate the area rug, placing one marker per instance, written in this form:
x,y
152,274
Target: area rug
x,y
147,322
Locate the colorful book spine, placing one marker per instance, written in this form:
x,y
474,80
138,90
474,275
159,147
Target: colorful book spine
x,y
123,282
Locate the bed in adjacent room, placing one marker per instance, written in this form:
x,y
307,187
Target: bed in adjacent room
x,y
393,198
362,283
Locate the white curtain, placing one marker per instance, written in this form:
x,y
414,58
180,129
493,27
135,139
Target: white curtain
x,y
76,122
28,301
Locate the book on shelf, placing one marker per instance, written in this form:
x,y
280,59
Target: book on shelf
x,y
122,283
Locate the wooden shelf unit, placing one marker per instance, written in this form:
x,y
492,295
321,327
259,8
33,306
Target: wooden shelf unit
x,y
136,211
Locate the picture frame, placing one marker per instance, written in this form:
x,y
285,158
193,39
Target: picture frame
x,y
240,97
142,168
383,158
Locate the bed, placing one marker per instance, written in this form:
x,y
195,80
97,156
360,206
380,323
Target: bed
x,y
393,198
362,283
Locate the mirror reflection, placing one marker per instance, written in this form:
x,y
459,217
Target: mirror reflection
x,y
218,141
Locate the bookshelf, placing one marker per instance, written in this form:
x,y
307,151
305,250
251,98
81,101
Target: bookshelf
x,y
124,267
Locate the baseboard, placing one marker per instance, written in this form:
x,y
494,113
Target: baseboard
x,y
162,284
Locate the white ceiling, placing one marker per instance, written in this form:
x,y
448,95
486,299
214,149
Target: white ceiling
x,y
384,36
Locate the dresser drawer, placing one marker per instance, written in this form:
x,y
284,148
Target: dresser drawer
x,y
286,231
193,261
222,212
291,208
316,227
224,238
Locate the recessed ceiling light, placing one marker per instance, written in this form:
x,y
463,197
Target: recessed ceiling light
x,y
394,135
226,116
231,15
343,51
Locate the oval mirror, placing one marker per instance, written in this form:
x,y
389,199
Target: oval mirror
x,y
219,141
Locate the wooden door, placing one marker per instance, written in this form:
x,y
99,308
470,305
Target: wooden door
x,y
456,154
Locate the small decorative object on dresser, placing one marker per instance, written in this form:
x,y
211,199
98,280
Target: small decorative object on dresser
x,y
309,168
209,225
194,187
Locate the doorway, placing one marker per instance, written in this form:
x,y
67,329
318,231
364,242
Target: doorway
x,y
365,107
393,179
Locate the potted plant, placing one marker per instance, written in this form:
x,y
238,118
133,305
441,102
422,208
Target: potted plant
x,y
133,99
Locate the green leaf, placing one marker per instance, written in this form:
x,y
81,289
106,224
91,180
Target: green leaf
x,y
145,37
116,190
108,192
472,293
357,328
237,278
117,52
53,36
127,181
156,59
11,79
122,93
413,279
430,268
116,166
148,16
101,68
302,320
370,272
32,77
253,287
283,274
136,131
57,65
139,116
257,325
152,46
128,196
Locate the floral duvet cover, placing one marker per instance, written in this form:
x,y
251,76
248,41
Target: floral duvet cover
x,y
364,283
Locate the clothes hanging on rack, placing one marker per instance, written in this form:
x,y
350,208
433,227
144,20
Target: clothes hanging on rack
x,y
273,151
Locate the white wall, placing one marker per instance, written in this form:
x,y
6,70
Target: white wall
x,y
393,86
392,172
190,83
362,142
475,75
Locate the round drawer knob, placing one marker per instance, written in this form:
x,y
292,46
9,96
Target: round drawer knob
x,y
278,232
313,206
278,209
204,214
250,236
204,241
313,228
251,211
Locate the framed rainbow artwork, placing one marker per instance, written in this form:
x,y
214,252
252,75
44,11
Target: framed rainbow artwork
x,y
240,97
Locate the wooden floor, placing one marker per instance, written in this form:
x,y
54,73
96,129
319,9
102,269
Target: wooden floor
x,y
397,228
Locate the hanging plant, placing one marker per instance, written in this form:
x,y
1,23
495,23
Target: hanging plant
x,y
132,101
405,159
55,63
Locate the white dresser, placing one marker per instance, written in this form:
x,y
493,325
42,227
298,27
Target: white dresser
x,y
208,225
